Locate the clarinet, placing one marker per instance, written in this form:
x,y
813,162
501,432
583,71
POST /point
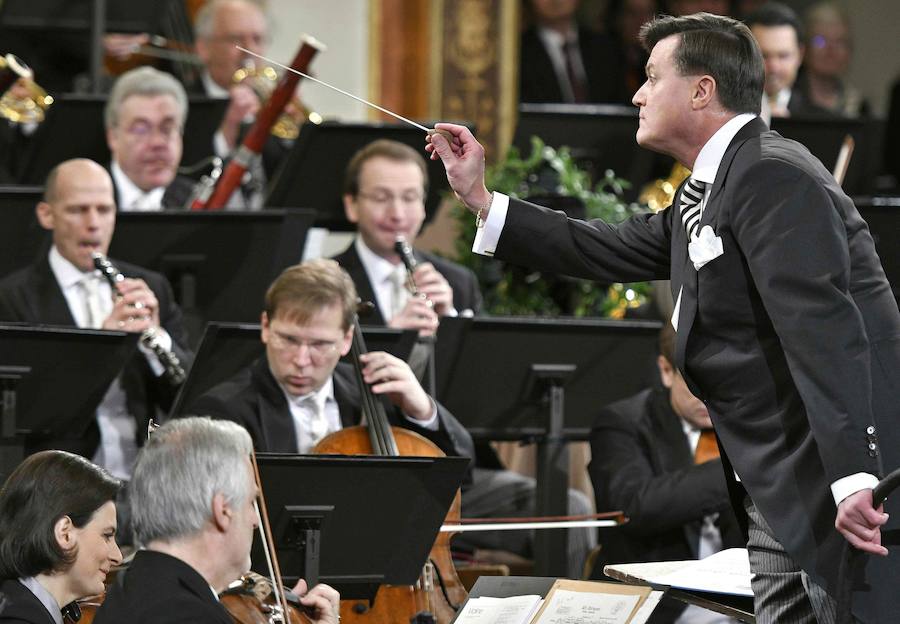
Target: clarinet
x,y
172,368
425,346
409,261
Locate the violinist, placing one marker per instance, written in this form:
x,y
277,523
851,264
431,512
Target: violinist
x,y
299,392
193,496
57,536
647,460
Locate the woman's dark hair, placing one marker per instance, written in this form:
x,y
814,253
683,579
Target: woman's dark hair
x,y
45,487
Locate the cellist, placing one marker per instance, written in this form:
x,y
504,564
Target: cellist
x,y
299,392
193,503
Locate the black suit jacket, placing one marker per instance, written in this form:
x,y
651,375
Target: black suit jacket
x,y
537,78
641,463
175,197
253,399
21,606
32,295
160,589
791,336
466,294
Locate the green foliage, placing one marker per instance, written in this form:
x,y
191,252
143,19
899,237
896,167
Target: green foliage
x,y
511,290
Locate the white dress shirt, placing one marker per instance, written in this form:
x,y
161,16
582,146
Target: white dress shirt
x,y
132,198
553,42
380,273
303,415
705,168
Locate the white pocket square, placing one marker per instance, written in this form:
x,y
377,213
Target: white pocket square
x,y
704,247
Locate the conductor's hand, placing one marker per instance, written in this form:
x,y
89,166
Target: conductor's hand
x,y
323,600
418,314
435,288
463,158
136,307
860,523
393,377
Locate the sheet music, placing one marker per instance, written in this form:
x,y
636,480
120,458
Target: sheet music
x,y
646,610
487,610
725,572
575,607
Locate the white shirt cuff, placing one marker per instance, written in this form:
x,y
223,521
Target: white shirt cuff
x,y
166,341
432,424
845,486
487,236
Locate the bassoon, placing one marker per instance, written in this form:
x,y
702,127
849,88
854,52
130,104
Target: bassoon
x,y
256,138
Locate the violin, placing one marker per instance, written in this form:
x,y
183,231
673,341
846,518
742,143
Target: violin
x,y
424,602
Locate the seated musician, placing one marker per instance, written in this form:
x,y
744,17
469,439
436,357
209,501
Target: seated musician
x,y
221,25
144,119
645,452
384,195
193,496
299,392
57,536
62,288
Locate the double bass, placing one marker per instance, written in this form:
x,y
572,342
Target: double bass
x,y
439,592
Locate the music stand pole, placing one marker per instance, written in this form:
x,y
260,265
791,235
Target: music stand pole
x,y
13,448
98,29
550,547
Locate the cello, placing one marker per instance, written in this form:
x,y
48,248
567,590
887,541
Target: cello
x,y
439,592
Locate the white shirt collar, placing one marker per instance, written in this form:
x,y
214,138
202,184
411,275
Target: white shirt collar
x,y
66,273
551,37
45,597
710,157
376,267
320,396
130,193
212,88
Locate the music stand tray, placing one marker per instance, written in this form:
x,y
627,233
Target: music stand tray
x,y
227,348
385,514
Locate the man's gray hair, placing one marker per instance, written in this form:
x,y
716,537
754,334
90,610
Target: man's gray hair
x,y
145,81
184,464
205,18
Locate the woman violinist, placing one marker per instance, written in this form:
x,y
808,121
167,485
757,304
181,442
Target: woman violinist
x,y
57,536
193,502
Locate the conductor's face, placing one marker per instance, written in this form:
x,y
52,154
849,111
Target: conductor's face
x,y
390,202
302,355
146,141
81,212
664,101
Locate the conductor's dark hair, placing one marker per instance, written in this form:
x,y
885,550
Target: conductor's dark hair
x,y
44,488
718,46
773,14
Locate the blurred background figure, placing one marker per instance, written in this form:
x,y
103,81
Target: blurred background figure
x,y
687,7
828,55
623,20
562,61
779,34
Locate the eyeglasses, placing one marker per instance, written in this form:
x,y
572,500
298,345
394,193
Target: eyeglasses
x,y
142,131
317,349
383,198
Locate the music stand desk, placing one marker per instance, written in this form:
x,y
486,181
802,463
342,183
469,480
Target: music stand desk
x,y
68,372
384,516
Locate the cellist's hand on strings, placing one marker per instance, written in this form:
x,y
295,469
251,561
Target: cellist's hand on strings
x,y
393,377
418,314
323,600
435,288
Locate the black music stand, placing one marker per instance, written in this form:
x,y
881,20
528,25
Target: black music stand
x,y
312,174
380,515
220,263
553,375
74,128
52,362
599,137
823,137
227,348
22,239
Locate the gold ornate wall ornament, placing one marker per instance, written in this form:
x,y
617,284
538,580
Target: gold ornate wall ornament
x,y
474,50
